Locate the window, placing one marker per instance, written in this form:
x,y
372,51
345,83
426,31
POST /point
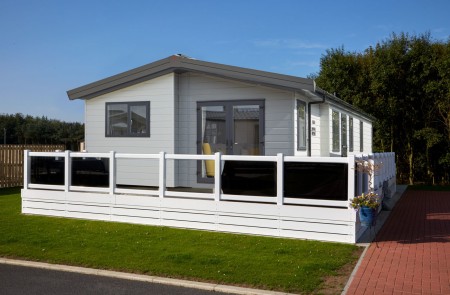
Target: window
x,y
335,131
361,136
128,119
229,127
301,125
350,134
344,135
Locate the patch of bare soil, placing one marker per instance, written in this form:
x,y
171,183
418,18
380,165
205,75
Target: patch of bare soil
x,y
335,284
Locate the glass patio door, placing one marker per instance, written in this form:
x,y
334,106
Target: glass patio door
x,y
229,127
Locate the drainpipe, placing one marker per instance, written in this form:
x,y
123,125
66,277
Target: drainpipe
x,y
309,119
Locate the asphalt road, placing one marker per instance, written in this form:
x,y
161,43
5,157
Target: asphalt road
x,y
29,280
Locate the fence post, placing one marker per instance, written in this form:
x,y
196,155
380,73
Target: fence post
x,y
26,168
162,174
217,176
67,171
280,179
112,172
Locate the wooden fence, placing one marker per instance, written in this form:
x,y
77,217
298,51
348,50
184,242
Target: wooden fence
x,y
11,161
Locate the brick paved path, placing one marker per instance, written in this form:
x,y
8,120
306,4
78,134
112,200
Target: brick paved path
x,y
411,254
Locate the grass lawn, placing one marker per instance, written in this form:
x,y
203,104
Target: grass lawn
x,y
260,262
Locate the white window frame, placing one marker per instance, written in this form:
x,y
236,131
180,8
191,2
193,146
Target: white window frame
x,y
350,134
301,147
335,135
361,136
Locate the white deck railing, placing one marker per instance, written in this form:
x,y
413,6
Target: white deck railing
x,y
273,216
386,161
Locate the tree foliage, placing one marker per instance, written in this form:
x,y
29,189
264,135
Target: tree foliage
x,y
404,81
22,129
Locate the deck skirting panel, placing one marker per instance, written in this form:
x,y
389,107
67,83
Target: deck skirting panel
x,y
302,222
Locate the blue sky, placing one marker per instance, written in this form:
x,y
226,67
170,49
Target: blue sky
x,y
49,47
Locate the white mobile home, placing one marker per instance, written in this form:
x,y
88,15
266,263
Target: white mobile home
x,y
181,105
193,144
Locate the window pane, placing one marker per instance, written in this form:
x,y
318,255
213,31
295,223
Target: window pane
x,y
117,121
335,130
139,119
301,125
350,134
213,119
213,128
361,136
246,130
344,135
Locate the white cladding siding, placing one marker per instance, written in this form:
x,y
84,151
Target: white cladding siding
x,y
367,129
316,124
160,93
325,127
193,88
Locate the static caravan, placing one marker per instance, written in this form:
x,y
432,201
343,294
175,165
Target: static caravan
x,y
181,105
192,144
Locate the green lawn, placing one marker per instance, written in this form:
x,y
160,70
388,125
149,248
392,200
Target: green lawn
x,y
259,262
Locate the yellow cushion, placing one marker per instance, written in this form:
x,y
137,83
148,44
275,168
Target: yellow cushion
x,y
209,164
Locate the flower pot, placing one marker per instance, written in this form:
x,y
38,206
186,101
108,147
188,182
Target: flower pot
x,y
367,216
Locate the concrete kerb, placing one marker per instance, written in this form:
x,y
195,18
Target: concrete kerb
x,y
142,278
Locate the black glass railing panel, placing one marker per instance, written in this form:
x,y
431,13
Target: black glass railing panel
x,y
324,181
85,171
249,178
47,170
91,172
321,181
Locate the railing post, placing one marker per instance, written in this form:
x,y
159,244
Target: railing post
x,y
67,171
280,179
26,168
351,177
217,176
112,172
359,177
162,174
372,177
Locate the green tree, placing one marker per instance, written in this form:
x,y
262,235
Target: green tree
x,y
41,130
404,81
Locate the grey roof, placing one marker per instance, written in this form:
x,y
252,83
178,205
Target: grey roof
x,y
181,64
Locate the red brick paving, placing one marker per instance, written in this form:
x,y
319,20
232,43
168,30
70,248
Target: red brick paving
x,y
411,253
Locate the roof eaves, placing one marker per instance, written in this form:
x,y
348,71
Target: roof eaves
x,y
330,97
181,64
120,79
